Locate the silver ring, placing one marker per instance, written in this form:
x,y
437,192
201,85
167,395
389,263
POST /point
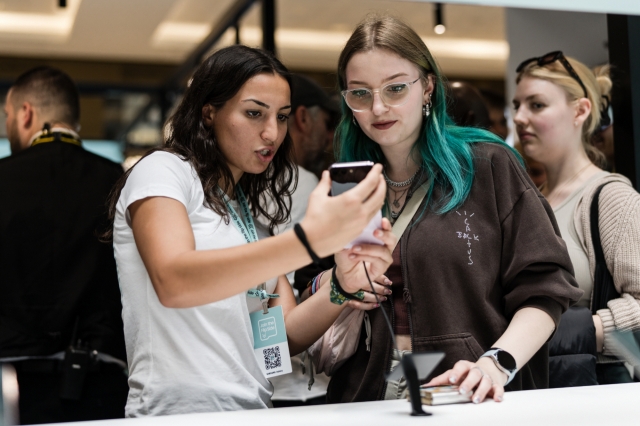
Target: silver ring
x,y
484,375
480,370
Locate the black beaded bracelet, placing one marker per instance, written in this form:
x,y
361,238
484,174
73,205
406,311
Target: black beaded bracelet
x,y
303,239
334,278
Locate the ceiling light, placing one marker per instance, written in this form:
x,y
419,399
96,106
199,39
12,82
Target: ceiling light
x,y
52,27
439,28
170,34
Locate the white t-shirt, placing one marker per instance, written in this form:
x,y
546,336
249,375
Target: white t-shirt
x,y
183,360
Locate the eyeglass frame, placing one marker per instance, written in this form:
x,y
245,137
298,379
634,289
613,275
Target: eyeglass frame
x,y
373,91
551,57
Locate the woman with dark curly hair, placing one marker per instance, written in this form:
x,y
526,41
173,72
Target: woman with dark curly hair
x,y
183,216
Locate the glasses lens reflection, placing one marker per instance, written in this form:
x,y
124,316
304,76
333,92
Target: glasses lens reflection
x,y
394,94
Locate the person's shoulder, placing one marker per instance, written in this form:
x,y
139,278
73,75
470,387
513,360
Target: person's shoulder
x,y
165,159
493,150
500,161
9,162
162,165
15,160
101,162
615,188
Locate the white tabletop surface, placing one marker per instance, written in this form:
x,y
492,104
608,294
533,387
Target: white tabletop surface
x,y
594,405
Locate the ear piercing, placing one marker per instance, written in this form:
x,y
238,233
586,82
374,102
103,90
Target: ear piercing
x,y
426,108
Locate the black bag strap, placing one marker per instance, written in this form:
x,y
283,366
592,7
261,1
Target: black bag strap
x,y
603,287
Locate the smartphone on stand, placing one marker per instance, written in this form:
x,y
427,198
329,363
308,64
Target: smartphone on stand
x,y
345,176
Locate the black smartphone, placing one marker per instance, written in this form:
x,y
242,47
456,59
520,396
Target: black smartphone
x,y
345,176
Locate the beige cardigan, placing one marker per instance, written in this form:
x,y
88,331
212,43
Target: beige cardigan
x,y
619,220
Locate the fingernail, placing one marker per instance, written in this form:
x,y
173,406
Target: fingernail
x,y
352,256
387,291
384,299
377,305
388,281
462,391
377,233
499,398
357,248
476,400
452,379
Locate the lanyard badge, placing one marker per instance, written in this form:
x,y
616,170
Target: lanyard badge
x,y
270,344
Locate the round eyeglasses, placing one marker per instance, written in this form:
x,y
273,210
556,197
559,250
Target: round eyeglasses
x,y
392,95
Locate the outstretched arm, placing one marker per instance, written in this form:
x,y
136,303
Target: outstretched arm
x,y
185,277
529,329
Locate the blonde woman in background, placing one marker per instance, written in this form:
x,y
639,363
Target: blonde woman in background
x,y
558,103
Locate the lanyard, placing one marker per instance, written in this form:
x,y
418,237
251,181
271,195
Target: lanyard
x,y
247,228
57,134
245,223
56,137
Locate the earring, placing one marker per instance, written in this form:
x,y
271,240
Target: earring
x,y
355,123
426,109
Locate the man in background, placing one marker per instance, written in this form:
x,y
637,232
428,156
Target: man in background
x,y
60,311
312,122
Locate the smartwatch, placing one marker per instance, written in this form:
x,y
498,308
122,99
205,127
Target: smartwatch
x,y
504,361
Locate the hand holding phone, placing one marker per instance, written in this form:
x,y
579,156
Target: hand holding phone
x,y
345,176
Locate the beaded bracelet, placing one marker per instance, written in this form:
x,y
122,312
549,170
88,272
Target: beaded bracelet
x,y
337,295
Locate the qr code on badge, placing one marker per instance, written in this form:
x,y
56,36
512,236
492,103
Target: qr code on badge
x,y
272,358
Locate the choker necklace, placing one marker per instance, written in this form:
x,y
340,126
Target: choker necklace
x,y
403,183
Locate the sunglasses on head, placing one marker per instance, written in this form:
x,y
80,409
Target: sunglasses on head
x,y
550,58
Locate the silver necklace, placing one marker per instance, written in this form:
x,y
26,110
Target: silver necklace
x,y
400,184
397,195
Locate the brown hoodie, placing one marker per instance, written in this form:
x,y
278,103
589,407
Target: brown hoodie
x,y
466,273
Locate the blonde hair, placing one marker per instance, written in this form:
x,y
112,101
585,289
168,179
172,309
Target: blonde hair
x,y
384,31
603,75
596,87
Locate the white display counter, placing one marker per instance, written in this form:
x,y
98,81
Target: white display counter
x,y
594,405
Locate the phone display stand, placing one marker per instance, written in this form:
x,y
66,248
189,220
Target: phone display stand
x,y
415,367
8,396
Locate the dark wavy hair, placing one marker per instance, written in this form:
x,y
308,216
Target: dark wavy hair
x,y
216,81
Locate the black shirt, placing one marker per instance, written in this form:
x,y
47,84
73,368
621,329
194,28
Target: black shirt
x,y
53,268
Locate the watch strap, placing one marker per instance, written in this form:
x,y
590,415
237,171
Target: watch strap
x,y
493,355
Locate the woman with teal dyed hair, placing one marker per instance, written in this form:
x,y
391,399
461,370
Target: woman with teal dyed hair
x,y
480,272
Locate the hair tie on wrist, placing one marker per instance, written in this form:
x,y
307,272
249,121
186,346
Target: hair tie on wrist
x,y
303,239
337,295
